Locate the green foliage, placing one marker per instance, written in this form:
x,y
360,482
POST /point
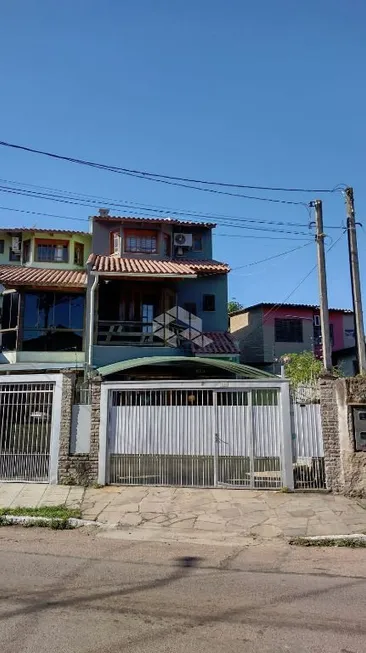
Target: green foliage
x,y
302,368
233,305
52,512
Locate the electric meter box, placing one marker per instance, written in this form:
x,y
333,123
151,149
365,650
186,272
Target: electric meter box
x,y
359,427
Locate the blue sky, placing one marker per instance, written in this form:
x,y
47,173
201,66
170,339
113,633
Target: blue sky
x,y
263,93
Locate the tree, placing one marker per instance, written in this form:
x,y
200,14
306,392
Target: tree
x,y
233,305
302,369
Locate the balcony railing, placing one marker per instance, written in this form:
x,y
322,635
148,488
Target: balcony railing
x,y
112,332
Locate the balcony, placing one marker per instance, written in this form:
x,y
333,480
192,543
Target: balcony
x,y
141,333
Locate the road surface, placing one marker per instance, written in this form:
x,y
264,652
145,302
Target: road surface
x,y
73,592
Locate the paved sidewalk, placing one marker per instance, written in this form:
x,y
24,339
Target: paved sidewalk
x,y
210,516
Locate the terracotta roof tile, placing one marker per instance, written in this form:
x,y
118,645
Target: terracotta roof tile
x,y
173,221
222,343
13,276
110,264
46,231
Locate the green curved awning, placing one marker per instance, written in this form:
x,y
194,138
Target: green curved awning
x,y
242,371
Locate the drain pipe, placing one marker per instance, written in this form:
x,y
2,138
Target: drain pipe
x,y
91,323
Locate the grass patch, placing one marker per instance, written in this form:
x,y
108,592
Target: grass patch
x,y
51,512
351,543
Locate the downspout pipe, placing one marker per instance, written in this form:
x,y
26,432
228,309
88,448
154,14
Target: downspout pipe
x,y
92,290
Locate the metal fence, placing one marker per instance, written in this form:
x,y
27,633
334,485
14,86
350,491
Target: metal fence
x,y
308,452
25,430
195,437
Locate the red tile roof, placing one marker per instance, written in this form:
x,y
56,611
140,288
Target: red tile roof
x,y
14,276
173,221
110,264
46,231
222,343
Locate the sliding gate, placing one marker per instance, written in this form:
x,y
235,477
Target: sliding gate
x,y
196,437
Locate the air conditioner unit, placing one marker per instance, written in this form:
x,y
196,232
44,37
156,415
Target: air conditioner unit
x,y
15,243
317,320
183,240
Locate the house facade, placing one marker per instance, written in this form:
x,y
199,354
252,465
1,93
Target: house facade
x,y
43,281
265,332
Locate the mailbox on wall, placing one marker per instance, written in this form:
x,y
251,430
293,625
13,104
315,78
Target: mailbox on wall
x,y
359,427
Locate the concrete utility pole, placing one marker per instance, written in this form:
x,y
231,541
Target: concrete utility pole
x,y
355,281
323,292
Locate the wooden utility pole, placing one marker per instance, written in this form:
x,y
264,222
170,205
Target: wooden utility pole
x,y
355,281
323,292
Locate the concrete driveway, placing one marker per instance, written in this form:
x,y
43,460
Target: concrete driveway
x,y
189,515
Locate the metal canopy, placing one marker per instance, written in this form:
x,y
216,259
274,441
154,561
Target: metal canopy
x,y
241,371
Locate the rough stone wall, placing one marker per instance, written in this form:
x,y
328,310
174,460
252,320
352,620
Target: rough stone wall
x,y
330,429
78,469
345,468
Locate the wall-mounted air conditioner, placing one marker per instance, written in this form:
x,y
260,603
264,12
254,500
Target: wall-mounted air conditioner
x,y
15,243
183,240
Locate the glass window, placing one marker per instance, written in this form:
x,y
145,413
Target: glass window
x,y
79,254
53,322
30,310
115,243
208,302
288,330
13,255
61,319
2,245
52,251
77,312
197,243
9,316
143,242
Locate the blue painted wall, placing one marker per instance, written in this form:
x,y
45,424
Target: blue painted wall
x,y
192,290
104,355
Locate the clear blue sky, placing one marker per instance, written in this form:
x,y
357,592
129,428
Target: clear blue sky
x,y
268,92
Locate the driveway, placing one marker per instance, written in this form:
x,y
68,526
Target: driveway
x,y
198,515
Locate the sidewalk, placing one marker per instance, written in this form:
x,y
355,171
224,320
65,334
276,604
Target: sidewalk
x,y
202,515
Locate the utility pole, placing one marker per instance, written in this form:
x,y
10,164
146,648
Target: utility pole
x,y
323,292
355,281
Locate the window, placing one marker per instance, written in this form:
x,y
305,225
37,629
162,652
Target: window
x,y
13,255
318,334
167,249
208,302
26,251
115,243
288,330
53,322
141,242
2,246
191,307
78,254
9,319
197,243
52,251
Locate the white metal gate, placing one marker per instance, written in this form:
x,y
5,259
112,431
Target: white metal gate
x,y
308,451
196,437
26,412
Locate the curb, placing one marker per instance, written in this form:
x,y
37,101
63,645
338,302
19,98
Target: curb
x,y
72,522
358,539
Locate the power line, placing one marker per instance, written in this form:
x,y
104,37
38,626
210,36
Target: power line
x,y
269,258
169,177
183,182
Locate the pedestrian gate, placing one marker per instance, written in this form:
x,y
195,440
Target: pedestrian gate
x,y
25,430
195,437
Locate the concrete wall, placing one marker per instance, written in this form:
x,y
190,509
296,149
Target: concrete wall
x,y
247,329
345,468
192,290
105,355
101,243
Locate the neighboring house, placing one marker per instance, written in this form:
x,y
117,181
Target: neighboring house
x,y
346,360
265,332
82,300
42,273
139,269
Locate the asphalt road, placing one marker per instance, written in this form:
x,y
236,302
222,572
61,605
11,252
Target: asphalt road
x,y
72,592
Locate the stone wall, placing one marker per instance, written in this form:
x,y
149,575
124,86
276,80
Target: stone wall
x,y
345,468
78,469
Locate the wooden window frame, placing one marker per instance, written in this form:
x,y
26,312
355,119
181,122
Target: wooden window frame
x,y
77,245
140,233
48,242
